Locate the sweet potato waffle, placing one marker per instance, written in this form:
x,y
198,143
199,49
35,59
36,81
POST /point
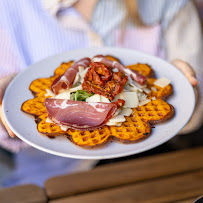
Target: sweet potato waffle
x,y
135,128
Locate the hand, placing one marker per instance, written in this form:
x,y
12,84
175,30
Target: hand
x,y
187,70
3,85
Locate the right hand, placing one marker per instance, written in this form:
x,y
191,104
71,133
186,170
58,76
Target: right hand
x,y
4,82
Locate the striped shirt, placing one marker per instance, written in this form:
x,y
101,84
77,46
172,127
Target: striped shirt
x,y
29,33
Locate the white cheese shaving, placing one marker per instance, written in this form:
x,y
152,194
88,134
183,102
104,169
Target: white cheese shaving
x,y
81,69
94,98
48,120
126,112
104,99
64,128
74,89
77,78
154,89
115,69
117,112
141,96
135,87
146,90
153,98
132,88
131,99
49,93
117,119
64,95
116,97
162,82
138,85
96,59
114,124
82,74
144,102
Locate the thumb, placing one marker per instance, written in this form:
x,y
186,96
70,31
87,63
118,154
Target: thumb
x,y
187,70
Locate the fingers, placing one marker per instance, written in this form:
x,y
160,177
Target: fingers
x,y
3,85
187,71
4,82
5,124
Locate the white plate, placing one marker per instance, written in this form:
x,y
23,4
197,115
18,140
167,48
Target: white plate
x,y
23,125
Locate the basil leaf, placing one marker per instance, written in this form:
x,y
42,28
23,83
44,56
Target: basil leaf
x,y
81,95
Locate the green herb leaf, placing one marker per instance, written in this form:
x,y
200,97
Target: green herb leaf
x,y
81,95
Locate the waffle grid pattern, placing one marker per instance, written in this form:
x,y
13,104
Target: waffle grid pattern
x,y
135,128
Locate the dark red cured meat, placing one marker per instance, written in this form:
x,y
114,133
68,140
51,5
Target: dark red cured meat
x,y
66,80
79,114
114,64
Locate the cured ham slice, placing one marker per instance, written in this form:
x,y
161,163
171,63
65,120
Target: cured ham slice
x,y
79,114
66,80
114,64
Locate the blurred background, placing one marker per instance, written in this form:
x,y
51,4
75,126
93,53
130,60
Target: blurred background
x,y
188,140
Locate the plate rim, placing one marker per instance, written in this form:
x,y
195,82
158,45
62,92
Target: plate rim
x,y
146,148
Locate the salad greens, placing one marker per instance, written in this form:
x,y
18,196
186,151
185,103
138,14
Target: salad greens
x,y
81,95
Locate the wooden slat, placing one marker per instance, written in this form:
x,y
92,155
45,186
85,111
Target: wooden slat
x,y
23,194
125,173
165,190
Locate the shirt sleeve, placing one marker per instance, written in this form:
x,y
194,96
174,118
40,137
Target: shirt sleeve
x,y
159,11
8,65
9,62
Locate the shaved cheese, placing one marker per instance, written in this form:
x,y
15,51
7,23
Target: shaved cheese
x,y
116,119
141,96
153,98
94,98
114,124
49,93
154,89
64,128
144,102
48,120
138,85
117,112
132,85
162,82
126,112
147,90
96,59
131,99
84,73
77,78
116,97
115,69
75,88
104,99
64,95
81,69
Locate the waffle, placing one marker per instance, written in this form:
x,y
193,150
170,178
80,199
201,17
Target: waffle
x,y
143,69
161,93
135,128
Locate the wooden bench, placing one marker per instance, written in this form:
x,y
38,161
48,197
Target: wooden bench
x,y
171,177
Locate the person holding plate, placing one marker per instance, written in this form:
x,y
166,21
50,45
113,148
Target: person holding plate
x,y
33,30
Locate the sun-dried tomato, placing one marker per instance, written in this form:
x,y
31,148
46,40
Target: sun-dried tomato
x,y
100,79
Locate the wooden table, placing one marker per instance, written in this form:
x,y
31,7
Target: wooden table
x,y
170,177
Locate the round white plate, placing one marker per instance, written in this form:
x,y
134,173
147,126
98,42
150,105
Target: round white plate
x,y
24,126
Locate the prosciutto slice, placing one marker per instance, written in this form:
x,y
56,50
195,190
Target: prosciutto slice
x,y
79,114
66,80
114,64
